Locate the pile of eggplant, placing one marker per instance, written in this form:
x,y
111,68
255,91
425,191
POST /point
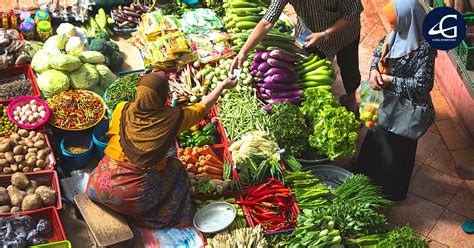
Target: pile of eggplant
x,y
276,77
130,16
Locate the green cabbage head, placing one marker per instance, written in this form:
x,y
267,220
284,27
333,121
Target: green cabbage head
x,y
53,82
85,77
64,62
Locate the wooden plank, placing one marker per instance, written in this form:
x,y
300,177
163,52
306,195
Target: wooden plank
x,y
107,226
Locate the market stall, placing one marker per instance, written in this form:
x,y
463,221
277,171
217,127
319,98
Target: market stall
x,y
246,160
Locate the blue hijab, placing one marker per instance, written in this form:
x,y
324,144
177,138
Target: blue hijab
x,y
410,16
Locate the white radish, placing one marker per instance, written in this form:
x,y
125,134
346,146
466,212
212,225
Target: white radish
x,y
42,114
40,108
31,118
28,113
35,114
33,102
23,118
34,108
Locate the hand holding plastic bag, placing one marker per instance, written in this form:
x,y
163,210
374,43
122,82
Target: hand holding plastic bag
x,y
369,106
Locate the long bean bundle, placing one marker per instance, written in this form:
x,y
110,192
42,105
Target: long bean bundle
x,y
242,113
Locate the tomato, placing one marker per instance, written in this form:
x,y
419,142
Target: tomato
x,y
370,124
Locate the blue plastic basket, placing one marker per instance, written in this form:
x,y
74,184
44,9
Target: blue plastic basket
x,y
77,160
99,138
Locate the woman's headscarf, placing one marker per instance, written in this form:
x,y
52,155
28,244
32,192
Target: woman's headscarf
x,y
148,127
409,21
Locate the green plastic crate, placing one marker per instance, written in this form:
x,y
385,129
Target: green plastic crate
x,y
465,51
60,244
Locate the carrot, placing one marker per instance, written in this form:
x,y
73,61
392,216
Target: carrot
x,y
187,151
195,149
213,159
195,154
182,158
214,170
200,170
192,168
209,163
190,159
200,151
206,150
212,176
180,152
201,158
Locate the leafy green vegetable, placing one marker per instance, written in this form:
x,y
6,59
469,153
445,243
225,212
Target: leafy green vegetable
x,y
85,77
288,126
316,229
335,132
53,82
315,100
359,188
308,190
402,237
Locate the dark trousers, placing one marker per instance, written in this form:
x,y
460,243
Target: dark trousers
x,y
348,61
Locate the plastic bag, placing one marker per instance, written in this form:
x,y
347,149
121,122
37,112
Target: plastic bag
x,y
369,106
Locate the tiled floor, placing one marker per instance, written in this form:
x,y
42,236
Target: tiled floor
x,y
439,201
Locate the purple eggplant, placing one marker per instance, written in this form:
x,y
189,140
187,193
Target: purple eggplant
x,y
274,71
280,64
258,57
264,67
265,55
287,87
291,100
284,56
285,94
281,79
254,66
259,74
253,73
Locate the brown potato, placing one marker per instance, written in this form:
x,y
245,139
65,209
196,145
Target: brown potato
x,y
31,161
15,136
31,202
23,133
15,210
7,170
32,134
4,198
37,138
16,195
37,169
14,167
47,195
40,163
31,187
4,209
26,169
21,142
46,150
4,162
2,155
40,144
20,180
9,157
29,155
18,150
32,150
29,142
4,147
19,158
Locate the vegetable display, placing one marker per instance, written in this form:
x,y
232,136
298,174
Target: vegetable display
x,y
402,237
31,113
15,87
308,191
6,125
316,229
23,231
24,151
247,117
315,72
270,205
75,109
257,157
15,50
288,126
129,16
25,195
239,221
204,184
244,237
123,90
202,161
205,133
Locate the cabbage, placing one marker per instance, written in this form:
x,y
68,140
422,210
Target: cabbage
x,y
52,82
66,29
40,61
56,41
53,51
107,77
64,62
85,77
93,57
74,46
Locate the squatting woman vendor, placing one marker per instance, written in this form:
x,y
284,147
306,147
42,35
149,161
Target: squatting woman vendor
x,y
136,177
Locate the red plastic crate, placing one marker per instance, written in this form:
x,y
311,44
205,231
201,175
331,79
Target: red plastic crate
x,y
46,178
51,214
17,70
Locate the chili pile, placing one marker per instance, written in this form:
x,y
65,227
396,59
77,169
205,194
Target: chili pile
x,y
75,109
122,90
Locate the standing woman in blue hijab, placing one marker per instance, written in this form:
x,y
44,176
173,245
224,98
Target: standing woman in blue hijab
x,y
403,66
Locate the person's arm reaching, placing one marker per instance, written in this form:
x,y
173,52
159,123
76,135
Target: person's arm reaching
x,y
260,31
211,99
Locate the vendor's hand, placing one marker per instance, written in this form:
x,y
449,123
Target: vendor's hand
x,y
376,80
238,61
386,80
229,82
314,38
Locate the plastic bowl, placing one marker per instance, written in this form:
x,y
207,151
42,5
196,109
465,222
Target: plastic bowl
x,y
23,100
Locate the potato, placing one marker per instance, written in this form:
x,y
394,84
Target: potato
x,y
47,195
18,150
32,150
21,142
40,144
37,138
3,190
29,155
10,142
4,147
25,149
16,195
37,169
15,136
46,150
31,187
23,133
4,209
32,134
20,180
2,155
31,161
19,158
40,136
26,169
40,163
14,167
29,142
7,170
15,210
9,157
4,198
4,162
31,202
41,156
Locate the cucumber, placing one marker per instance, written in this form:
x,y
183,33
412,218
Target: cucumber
x,y
319,78
247,18
245,11
246,25
241,4
311,67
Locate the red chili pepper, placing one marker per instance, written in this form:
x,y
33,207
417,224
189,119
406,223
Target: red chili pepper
x,y
256,220
271,191
266,204
261,209
245,202
260,188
